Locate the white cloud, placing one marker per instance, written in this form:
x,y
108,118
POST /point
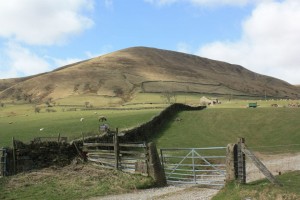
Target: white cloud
x,y
22,62
269,43
44,22
203,2
161,2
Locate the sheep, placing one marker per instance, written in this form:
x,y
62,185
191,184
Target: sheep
x,y
81,119
102,118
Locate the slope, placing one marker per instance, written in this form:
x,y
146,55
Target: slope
x,y
140,69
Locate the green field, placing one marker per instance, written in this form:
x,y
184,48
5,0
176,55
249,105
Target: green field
x,y
218,127
263,189
215,126
21,122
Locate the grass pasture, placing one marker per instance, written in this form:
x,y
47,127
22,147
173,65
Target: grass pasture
x,y
218,127
263,189
215,126
21,122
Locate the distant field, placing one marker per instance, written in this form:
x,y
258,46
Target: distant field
x,y
21,122
218,127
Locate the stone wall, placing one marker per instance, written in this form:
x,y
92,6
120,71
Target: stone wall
x,y
36,155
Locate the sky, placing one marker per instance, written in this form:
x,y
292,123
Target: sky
x,y
261,35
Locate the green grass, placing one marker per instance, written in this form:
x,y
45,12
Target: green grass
x,y
218,127
72,182
26,124
263,189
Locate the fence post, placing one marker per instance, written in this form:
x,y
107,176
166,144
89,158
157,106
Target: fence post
x,y
156,171
2,162
116,149
241,162
14,155
230,162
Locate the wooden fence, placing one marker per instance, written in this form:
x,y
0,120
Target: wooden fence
x,y
128,157
3,162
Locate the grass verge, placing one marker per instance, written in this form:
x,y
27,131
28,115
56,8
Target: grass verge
x,y
263,189
80,181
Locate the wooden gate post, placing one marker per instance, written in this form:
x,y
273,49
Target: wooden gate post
x,y
14,156
116,149
240,162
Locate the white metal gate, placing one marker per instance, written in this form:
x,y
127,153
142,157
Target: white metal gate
x,y
206,166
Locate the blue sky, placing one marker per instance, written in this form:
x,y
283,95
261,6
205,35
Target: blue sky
x,y
261,35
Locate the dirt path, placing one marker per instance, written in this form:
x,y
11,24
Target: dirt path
x,y
275,163
166,193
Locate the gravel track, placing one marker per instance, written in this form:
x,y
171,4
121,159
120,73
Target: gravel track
x,y
166,193
275,163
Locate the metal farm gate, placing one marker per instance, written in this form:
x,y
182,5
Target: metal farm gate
x,y
205,166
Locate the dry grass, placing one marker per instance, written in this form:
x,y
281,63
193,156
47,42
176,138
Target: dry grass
x,y
123,73
77,181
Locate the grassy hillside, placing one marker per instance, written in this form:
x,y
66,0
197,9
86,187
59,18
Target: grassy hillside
x,y
218,127
263,189
124,73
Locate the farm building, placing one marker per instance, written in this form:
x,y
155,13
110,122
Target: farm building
x,y
206,101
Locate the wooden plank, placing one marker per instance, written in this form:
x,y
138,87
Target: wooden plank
x,y
102,157
137,157
100,153
128,166
261,166
134,153
102,166
101,161
98,144
116,149
100,150
133,145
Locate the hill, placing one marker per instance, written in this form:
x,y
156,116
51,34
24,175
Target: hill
x,y
139,69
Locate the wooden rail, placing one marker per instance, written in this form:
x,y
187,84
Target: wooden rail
x,y
129,157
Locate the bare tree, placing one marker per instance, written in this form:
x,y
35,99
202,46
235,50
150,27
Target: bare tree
x,y
37,109
86,104
169,97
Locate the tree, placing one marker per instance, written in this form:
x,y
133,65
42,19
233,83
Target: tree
x,y
86,104
169,97
37,109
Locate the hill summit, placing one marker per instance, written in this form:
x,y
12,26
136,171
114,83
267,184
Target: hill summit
x,y
141,69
